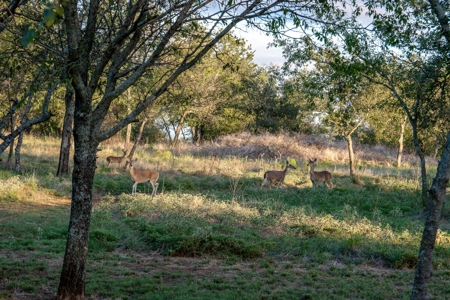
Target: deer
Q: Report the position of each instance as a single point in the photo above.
(116, 159)
(276, 176)
(318, 177)
(143, 176)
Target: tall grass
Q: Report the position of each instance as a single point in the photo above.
(212, 232)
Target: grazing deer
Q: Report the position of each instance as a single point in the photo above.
(143, 176)
(319, 177)
(277, 176)
(116, 159)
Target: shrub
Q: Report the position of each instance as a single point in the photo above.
(102, 240)
(194, 240)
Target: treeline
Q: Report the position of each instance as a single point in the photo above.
(226, 92)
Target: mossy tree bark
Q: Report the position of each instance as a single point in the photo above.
(66, 137)
(437, 194)
(435, 202)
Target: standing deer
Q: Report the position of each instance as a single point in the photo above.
(276, 176)
(116, 159)
(143, 176)
(319, 177)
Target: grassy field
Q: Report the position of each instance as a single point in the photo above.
(213, 233)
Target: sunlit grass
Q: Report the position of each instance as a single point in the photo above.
(214, 233)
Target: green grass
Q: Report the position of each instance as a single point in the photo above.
(213, 233)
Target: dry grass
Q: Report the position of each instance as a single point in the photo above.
(298, 146)
(340, 238)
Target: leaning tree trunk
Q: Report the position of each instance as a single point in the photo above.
(42, 117)
(433, 213)
(64, 152)
(73, 274)
(351, 156)
(400, 143)
(348, 137)
(18, 166)
(136, 142)
(178, 130)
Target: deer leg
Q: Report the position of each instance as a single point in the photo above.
(153, 187)
(134, 188)
(264, 182)
(156, 188)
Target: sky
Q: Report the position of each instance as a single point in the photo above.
(259, 41)
(262, 54)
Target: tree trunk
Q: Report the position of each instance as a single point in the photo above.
(167, 125)
(136, 142)
(18, 167)
(194, 130)
(128, 134)
(423, 171)
(178, 130)
(423, 168)
(73, 275)
(198, 134)
(202, 133)
(400, 143)
(11, 146)
(64, 152)
(351, 157)
(433, 213)
(348, 137)
(44, 116)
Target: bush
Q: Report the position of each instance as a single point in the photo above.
(194, 240)
(102, 240)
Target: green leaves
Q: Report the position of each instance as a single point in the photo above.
(50, 16)
(28, 37)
